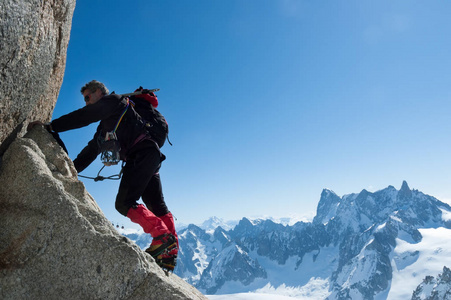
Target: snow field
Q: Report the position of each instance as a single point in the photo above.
(413, 262)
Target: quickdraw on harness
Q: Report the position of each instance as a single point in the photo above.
(110, 147)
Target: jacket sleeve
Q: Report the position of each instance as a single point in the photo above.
(82, 117)
(87, 155)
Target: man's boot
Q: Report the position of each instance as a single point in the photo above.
(163, 241)
(168, 220)
(170, 259)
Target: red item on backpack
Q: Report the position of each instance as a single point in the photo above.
(149, 97)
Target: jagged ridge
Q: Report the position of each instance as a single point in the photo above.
(350, 244)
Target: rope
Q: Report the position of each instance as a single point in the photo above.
(102, 178)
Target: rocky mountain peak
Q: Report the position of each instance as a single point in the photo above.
(405, 192)
(243, 226)
(327, 206)
(434, 288)
(404, 186)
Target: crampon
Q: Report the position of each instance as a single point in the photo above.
(167, 263)
(164, 250)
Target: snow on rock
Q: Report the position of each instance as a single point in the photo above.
(360, 246)
(419, 260)
(434, 288)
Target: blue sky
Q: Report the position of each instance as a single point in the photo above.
(269, 102)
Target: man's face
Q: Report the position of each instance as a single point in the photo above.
(92, 97)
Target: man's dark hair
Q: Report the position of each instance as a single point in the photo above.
(93, 85)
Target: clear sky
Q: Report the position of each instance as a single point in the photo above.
(269, 102)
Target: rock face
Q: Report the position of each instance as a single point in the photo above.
(434, 288)
(55, 241)
(34, 35)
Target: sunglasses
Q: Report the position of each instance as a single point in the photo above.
(87, 97)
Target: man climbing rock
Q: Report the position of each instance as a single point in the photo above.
(122, 131)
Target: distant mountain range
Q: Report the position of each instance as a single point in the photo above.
(379, 245)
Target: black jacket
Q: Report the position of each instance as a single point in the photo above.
(108, 111)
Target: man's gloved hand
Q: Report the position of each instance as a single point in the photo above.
(33, 124)
(47, 126)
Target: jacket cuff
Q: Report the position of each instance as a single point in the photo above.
(48, 126)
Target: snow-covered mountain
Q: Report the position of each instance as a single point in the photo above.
(211, 224)
(434, 288)
(360, 246)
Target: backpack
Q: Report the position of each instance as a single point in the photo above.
(150, 119)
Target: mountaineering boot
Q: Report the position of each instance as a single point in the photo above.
(168, 260)
(161, 245)
(162, 250)
(167, 263)
(163, 241)
(168, 220)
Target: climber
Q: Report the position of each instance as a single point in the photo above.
(142, 157)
